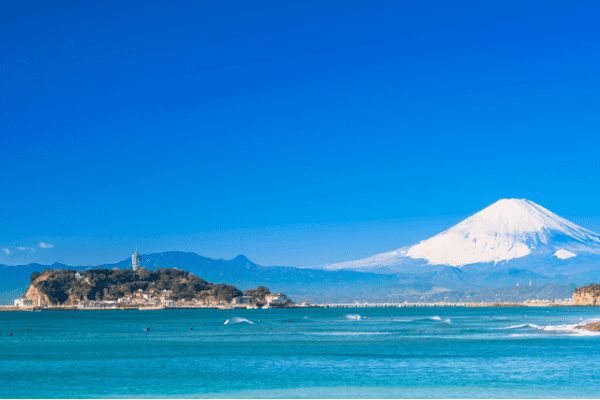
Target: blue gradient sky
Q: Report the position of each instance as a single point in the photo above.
(296, 133)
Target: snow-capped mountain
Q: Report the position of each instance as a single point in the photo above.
(509, 230)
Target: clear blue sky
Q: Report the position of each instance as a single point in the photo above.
(296, 133)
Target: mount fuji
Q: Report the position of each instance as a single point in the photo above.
(511, 233)
(513, 250)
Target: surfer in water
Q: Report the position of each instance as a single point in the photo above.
(191, 328)
(26, 330)
(11, 334)
(147, 329)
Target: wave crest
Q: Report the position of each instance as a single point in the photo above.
(237, 320)
(353, 317)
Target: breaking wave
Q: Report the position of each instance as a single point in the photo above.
(524, 335)
(434, 318)
(353, 317)
(237, 320)
(519, 326)
(570, 329)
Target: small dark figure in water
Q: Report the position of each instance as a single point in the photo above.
(191, 328)
(12, 334)
(203, 323)
(147, 329)
(26, 330)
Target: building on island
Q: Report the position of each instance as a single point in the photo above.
(23, 303)
(273, 299)
(135, 261)
(167, 303)
(96, 304)
(243, 300)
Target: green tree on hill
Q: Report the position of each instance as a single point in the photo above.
(107, 284)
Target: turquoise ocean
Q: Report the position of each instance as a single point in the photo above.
(320, 353)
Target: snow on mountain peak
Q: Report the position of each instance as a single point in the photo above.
(519, 216)
(508, 229)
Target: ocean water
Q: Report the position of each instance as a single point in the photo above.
(325, 353)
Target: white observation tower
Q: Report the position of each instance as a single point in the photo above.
(135, 261)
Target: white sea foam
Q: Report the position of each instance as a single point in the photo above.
(525, 335)
(353, 317)
(570, 329)
(519, 326)
(434, 318)
(237, 320)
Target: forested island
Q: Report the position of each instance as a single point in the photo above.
(117, 288)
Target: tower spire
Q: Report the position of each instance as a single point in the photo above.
(135, 260)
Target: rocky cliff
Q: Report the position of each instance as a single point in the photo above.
(587, 296)
(39, 298)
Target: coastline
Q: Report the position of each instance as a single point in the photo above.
(334, 305)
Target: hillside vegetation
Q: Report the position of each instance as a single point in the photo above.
(65, 286)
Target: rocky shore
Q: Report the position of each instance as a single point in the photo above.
(593, 326)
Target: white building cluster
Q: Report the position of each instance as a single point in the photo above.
(23, 303)
(276, 299)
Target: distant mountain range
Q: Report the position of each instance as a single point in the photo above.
(299, 283)
(330, 286)
(510, 250)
